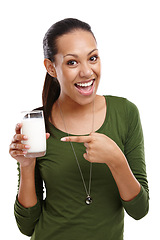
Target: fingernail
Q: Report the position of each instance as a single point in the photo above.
(25, 137)
(27, 146)
(17, 126)
(24, 152)
(63, 139)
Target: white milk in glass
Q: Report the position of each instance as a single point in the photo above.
(34, 128)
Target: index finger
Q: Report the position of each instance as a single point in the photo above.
(79, 139)
(18, 128)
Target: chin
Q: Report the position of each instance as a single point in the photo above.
(84, 100)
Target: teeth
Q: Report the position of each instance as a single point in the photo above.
(85, 84)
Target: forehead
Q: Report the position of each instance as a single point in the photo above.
(76, 42)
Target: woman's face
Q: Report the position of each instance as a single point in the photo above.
(77, 66)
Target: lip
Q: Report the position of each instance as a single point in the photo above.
(88, 93)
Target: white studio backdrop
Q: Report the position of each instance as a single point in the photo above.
(128, 36)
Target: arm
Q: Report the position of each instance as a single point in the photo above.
(128, 168)
(27, 208)
(27, 217)
(127, 184)
(27, 193)
(134, 152)
(111, 155)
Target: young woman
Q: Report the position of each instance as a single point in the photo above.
(94, 167)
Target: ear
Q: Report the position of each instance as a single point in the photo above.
(50, 68)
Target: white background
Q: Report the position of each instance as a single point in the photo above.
(128, 35)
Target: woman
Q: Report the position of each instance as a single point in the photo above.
(94, 167)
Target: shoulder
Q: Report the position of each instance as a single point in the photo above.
(120, 103)
(120, 107)
(115, 101)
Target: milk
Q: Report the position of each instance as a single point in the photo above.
(34, 129)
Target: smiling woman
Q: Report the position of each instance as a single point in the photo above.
(77, 66)
(83, 201)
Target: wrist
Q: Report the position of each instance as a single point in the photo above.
(117, 159)
(29, 166)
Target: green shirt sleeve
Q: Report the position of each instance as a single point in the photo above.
(134, 152)
(138, 207)
(27, 218)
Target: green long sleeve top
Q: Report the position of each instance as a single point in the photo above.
(63, 214)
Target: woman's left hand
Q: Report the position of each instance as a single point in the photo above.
(99, 147)
(102, 149)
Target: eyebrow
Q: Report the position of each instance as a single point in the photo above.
(75, 55)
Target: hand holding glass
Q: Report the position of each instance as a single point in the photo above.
(33, 127)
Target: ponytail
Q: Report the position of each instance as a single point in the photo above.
(51, 92)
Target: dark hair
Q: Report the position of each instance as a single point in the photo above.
(51, 88)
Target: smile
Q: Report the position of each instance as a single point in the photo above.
(85, 88)
(85, 84)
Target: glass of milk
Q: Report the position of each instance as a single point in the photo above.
(33, 127)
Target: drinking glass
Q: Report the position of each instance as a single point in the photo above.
(33, 126)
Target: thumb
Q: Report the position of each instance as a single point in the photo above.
(47, 135)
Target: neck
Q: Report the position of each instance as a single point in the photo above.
(74, 120)
(71, 107)
(79, 119)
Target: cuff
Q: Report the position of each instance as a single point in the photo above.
(26, 218)
(26, 211)
(139, 206)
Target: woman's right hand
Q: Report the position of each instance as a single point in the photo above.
(17, 149)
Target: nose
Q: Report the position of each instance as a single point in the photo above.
(85, 71)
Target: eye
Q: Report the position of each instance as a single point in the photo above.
(71, 62)
(93, 58)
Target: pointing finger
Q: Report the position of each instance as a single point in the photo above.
(79, 139)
